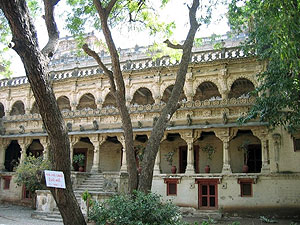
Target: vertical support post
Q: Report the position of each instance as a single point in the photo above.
(97, 141)
(261, 133)
(156, 169)
(188, 137)
(123, 168)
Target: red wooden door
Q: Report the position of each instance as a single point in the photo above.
(208, 193)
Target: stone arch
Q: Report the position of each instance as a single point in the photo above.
(198, 82)
(207, 139)
(34, 109)
(18, 108)
(241, 87)
(206, 90)
(110, 155)
(84, 146)
(142, 96)
(63, 103)
(12, 155)
(35, 148)
(167, 93)
(231, 80)
(87, 101)
(109, 101)
(2, 111)
(246, 138)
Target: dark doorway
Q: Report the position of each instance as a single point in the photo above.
(183, 159)
(254, 158)
(12, 156)
(78, 151)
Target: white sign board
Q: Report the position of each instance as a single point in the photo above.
(55, 179)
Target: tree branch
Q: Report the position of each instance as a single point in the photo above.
(53, 32)
(108, 72)
(171, 45)
(110, 6)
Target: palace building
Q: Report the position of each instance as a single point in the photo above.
(220, 164)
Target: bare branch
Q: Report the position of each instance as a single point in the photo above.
(108, 72)
(171, 45)
(110, 6)
(53, 32)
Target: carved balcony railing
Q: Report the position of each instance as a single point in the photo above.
(139, 64)
(133, 109)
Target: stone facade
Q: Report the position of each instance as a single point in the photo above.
(215, 95)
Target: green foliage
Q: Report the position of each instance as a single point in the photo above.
(136, 209)
(79, 159)
(169, 157)
(29, 173)
(273, 27)
(267, 220)
(87, 197)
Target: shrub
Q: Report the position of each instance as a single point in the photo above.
(135, 209)
(29, 173)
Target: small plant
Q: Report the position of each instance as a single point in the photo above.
(235, 223)
(139, 151)
(208, 222)
(79, 159)
(169, 157)
(87, 197)
(244, 148)
(210, 150)
(267, 220)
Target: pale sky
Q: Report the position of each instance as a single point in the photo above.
(175, 11)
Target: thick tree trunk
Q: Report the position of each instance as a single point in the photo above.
(145, 179)
(118, 90)
(35, 63)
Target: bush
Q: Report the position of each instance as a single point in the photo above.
(136, 209)
(29, 173)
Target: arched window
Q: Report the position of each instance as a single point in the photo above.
(167, 94)
(87, 101)
(2, 113)
(142, 96)
(17, 108)
(34, 109)
(206, 91)
(109, 101)
(241, 88)
(63, 103)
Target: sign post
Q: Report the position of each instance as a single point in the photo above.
(55, 179)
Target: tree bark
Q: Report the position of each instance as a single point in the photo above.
(145, 179)
(35, 63)
(119, 94)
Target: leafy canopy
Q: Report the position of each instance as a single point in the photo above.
(273, 27)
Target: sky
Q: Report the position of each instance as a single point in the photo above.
(175, 11)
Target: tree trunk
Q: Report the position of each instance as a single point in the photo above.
(35, 63)
(145, 179)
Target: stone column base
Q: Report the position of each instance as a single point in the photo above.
(226, 169)
(190, 169)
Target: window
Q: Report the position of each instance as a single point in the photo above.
(172, 186)
(296, 144)
(6, 182)
(246, 187)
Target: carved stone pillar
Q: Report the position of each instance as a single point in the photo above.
(225, 136)
(24, 143)
(261, 133)
(123, 168)
(222, 78)
(188, 137)
(3, 146)
(45, 144)
(277, 145)
(73, 141)
(97, 142)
